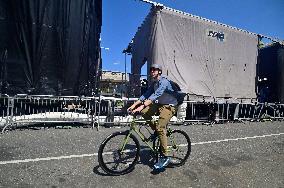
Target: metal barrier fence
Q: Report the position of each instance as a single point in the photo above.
(229, 112)
(27, 110)
(24, 110)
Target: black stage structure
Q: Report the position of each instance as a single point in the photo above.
(50, 47)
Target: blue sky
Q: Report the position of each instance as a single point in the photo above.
(121, 18)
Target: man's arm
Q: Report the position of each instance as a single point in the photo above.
(149, 91)
(161, 89)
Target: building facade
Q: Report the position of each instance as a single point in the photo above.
(114, 83)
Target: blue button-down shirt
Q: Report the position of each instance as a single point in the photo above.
(160, 91)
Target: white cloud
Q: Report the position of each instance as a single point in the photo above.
(106, 48)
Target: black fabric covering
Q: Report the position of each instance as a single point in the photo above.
(271, 67)
(50, 46)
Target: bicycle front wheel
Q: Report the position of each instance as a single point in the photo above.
(119, 153)
(179, 147)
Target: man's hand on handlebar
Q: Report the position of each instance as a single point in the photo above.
(135, 111)
(139, 109)
(133, 108)
(130, 109)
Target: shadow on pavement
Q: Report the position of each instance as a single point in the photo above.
(96, 171)
(146, 158)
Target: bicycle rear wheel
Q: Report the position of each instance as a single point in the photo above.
(114, 159)
(179, 147)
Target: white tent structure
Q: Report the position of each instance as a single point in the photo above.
(206, 58)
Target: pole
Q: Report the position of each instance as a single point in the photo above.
(125, 72)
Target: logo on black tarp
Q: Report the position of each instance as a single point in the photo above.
(219, 35)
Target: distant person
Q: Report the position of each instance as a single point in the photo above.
(264, 91)
(264, 94)
(159, 99)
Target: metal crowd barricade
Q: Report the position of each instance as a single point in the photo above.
(259, 111)
(5, 109)
(25, 110)
(224, 111)
(115, 111)
(279, 112)
(246, 111)
(197, 112)
(271, 111)
(208, 112)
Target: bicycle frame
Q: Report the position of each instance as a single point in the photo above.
(134, 128)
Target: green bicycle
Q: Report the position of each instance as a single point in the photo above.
(119, 152)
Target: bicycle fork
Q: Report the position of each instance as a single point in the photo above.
(125, 141)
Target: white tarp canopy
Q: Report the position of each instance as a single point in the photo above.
(206, 58)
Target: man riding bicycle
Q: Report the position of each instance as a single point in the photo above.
(158, 99)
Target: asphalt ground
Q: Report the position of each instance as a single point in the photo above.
(224, 155)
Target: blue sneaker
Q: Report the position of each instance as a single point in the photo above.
(162, 163)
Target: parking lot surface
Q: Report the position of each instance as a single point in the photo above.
(223, 155)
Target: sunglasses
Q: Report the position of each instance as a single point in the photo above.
(153, 69)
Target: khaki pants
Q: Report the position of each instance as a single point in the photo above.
(165, 113)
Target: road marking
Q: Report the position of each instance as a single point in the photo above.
(236, 139)
(95, 154)
(47, 158)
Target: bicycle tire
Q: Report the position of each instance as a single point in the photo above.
(110, 150)
(179, 147)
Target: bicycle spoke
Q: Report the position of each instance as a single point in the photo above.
(179, 147)
(115, 161)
